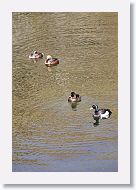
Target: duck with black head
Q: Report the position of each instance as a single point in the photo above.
(74, 97)
(100, 113)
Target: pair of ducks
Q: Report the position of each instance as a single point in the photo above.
(50, 61)
(97, 114)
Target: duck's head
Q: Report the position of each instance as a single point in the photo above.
(49, 57)
(35, 52)
(73, 94)
(94, 106)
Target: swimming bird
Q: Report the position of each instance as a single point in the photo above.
(100, 113)
(51, 61)
(36, 55)
(74, 97)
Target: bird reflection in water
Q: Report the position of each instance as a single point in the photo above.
(73, 106)
(34, 60)
(49, 69)
(96, 123)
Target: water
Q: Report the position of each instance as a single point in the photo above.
(48, 135)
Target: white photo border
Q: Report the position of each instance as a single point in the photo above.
(123, 174)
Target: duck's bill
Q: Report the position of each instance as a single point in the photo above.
(91, 108)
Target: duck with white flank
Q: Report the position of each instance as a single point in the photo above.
(74, 97)
(100, 113)
(36, 55)
(51, 61)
